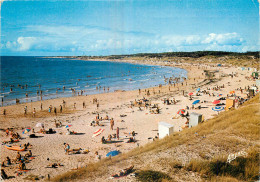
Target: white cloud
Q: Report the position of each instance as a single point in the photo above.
(78, 39)
(223, 39)
(26, 43)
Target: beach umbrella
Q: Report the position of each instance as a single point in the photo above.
(191, 93)
(198, 89)
(219, 95)
(97, 132)
(216, 102)
(67, 126)
(217, 108)
(112, 153)
(232, 92)
(39, 125)
(196, 102)
(26, 130)
(181, 111)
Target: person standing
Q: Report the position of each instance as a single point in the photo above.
(60, 108)
(55, 111)
(112, 122)
(41, 106)
(34, 112)
(25, 110)
(117, 133)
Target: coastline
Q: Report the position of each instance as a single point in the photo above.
(93, 91)
(114, 105)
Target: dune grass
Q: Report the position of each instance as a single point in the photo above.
(230, 131)
(242, 168)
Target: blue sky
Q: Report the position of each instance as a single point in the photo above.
(105, 27)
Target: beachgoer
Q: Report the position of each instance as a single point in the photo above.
(66, 147)
(4, 112)
(98, 157)
(22, 166)
(3, 174)
(117, 133)
(112, 122)
(8, 161)
(68, 132)
(75, 105)
(34, 112)
(60, 108)
(29, 154)
(55, 111)
(41, 106)
(25, 110)
(109, 137)
(18, 156)
(103, 140)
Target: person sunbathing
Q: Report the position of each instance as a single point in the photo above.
(18, 157)
(3, 174)
(109, 138)
(22, 166)
(8, 161)
(43, 131)
(103, 140)
(131, 139)
(29, 154)
(106, 118)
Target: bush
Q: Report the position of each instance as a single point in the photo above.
(152, 176)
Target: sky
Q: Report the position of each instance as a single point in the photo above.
(109, 27)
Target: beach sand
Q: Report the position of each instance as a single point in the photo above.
(113, 104)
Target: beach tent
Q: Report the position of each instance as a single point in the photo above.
(112, 153)
(165, 129)
(195, 119)
(230, 103)
(219, 65)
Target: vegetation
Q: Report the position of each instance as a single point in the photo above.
(242, 168)
(151, 176)
(229, 132)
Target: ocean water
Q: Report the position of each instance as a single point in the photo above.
(27, 75)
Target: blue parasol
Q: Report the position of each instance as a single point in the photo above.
(218, 108)
(112, 153)
(198, 89)
(195, 102)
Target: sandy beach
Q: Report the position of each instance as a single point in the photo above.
(116, 105)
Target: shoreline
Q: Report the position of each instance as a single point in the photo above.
(51, 96)
(115, 105)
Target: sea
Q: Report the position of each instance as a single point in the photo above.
(37, 78)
